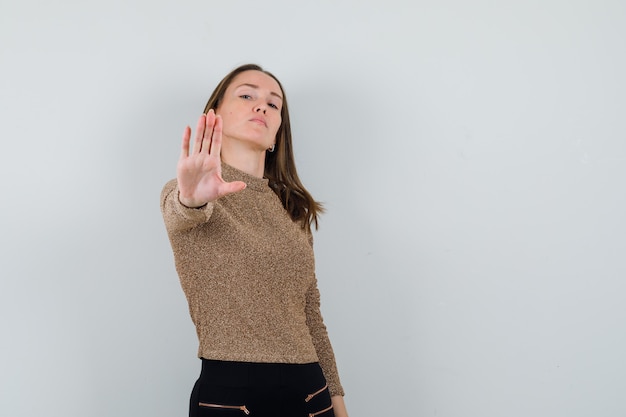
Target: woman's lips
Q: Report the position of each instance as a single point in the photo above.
(259, 121)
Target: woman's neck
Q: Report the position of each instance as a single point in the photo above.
(244, 159)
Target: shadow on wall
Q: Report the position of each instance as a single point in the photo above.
(367, 264)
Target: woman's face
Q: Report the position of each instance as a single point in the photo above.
(251, 109)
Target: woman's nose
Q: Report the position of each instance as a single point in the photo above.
(260, 108)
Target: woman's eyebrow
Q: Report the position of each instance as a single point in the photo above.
(256, 86)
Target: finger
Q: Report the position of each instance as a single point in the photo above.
(208, 131)
(197, 142)
(216, 141)
(231, 187)
(184, 151)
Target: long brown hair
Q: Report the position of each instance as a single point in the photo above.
(280, 167)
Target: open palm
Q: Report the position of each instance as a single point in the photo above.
(199, 172)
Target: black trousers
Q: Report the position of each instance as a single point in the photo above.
(260, 390)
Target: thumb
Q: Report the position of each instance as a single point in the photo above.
(231, 188)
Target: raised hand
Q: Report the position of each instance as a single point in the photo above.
(199, 172)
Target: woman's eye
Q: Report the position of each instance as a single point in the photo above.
(272, 105)
(245, 96)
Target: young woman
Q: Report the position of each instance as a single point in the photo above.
(239, 222)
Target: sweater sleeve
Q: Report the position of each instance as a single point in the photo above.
(177, 216)
(321, 341)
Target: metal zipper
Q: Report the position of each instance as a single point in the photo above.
(230, 407)
(310, 396)
(320, 412)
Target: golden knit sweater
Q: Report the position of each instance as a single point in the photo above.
(248, 273)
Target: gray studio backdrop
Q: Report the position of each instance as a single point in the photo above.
(471, 156)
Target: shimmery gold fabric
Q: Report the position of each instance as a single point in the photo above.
(248, 273)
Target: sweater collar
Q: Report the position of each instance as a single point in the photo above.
(230, 173)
